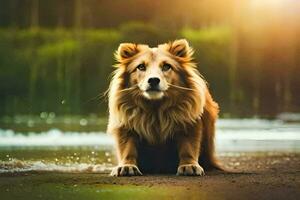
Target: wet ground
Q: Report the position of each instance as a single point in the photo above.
(252, 176)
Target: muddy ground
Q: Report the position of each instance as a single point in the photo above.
(254, 176)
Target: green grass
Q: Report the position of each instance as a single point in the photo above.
(66, 186)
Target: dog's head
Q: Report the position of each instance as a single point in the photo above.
(153, 71)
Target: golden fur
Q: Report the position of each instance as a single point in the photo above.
(181, 122)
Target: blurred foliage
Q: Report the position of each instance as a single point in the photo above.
(60, 71)
(215, 34)
(139, 32)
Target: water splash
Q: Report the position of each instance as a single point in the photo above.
(15, 165)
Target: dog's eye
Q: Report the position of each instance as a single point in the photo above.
(141, 67)
(166, 67)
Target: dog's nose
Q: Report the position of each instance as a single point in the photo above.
(153, 82)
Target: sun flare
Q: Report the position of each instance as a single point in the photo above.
(271, 4)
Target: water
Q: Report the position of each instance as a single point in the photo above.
(56, 159)
(257, 135)
(92, 152)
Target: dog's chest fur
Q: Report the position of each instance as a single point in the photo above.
(155, 124)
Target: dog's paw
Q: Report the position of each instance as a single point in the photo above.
(190, 170)
(126, 170)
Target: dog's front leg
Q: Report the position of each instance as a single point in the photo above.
(189, 149)
(127, 154)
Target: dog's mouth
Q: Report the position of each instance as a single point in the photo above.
(153, 90)
(153, 93)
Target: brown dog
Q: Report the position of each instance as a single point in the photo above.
(161, 113)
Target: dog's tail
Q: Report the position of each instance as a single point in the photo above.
(207, 157)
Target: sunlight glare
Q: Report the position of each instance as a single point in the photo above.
(271, 4)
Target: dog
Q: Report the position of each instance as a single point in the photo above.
(161, 113)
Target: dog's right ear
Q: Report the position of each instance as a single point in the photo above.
(125, 51)
(180, 48)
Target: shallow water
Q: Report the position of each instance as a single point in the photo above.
(91, 152)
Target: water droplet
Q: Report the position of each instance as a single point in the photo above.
(51, 115)
(83, 122)
(43, 115)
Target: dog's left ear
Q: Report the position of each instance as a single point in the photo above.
(180, 48)
(126, 50)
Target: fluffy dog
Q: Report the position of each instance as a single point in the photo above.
(161, 113)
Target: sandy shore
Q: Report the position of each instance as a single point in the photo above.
(253, 176)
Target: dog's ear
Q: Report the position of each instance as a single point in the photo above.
(180, 48)
(125, 51)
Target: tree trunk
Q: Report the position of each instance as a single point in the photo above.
(34, 20)
(77, 14)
